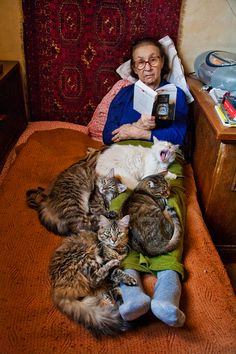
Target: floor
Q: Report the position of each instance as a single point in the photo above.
(231, 270)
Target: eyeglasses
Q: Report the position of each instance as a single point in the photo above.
(153, 61)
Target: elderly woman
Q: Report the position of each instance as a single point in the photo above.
(149, 64)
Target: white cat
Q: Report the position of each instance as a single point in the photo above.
(132, 163)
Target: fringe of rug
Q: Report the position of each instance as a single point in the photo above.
(180, 29)
(23, 61)
(181, 32)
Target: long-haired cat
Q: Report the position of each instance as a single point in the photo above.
(155, 226)
(132, 163)
(84, 269)
(75, 198)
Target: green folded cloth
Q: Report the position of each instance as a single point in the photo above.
(171, 260)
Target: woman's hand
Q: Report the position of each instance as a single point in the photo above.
(146, 122)
(130, 131)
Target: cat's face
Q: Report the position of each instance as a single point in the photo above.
(156, 185)
(113, 232)
(109, 187)
(164, 151)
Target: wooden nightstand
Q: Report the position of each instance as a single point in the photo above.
(13, 119)
(214, 165)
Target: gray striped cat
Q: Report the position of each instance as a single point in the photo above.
(76, 197)
(155, 226)
(85, 274)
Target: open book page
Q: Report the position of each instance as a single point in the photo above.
(144, 98)
(160, 103)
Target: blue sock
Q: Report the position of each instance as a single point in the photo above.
(135, 302)
(165, 302)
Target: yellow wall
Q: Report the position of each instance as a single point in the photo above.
(205, 25)
(11, 19)
(11, 30)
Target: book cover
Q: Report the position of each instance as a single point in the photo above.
(227, 115)
(222, 114)
(230, 105)
(160, 103)
(165, 102)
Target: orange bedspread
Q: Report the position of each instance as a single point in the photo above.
(30, 324)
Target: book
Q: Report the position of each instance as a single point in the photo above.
(224, 117)
(217, 94)
(229, 103)
(227, 115)
(159, 103)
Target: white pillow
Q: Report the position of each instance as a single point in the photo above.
(176, 74)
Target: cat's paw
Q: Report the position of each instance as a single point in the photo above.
(107, 299)
(129, 280)
(111, 214)
(170, 175)
(113, 263)
(117, 295)
(121, 257)
(93, 223)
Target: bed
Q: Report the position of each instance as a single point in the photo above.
(29, 321)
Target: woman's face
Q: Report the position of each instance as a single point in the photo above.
(147, 55)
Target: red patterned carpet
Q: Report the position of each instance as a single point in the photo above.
(73, 48)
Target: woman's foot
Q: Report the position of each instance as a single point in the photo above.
(135, 302)
(166, 297)
(168, 313)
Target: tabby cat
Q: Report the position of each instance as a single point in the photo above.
(134, 162)
(76, 197)
(84, 269)
(155, 226)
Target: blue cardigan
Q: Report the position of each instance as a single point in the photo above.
(121, 112)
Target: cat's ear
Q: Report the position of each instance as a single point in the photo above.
(155, 140)
(124, 221)
(167, 175)
(111, 173)
(162, 173)
(103, 222)
(151, 184)
(121, 187)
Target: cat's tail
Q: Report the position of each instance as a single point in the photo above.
(38, 199)
(34, 197)
(101, 320)
(171, 214)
